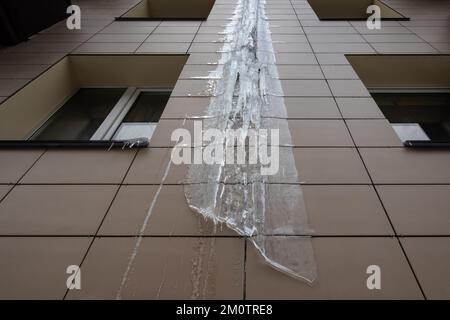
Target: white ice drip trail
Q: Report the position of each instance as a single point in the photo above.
(248, 95)
(140, 236)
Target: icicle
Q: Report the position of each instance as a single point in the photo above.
(248, 95)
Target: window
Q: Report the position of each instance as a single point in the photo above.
(143, 116)
(106, 114)
(169, 10)
(89, 101)
(417, 116)
(413, 92)
(80, 117)
(351, 10)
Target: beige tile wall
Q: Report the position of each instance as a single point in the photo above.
(369, 200)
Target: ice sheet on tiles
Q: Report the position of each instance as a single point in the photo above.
(248, 95)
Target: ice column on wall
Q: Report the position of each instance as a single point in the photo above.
(268, 209)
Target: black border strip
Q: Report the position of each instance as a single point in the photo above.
(84, 144)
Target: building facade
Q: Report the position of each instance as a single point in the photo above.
(121, 215)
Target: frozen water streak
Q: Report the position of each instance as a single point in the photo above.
(248, 95)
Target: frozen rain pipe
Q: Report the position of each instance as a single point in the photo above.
(269, 210)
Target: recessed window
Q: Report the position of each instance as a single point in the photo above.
(413, 92)
(169, 10)
(106, 114)
(81, 116)
(417, 116)
(91, 101)
(352, 10)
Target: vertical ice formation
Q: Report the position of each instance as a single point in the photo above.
(248, 95)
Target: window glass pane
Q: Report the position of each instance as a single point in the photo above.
(410, 131)
(134, 130)
(80, 117)
(148, 107)
(431, 111)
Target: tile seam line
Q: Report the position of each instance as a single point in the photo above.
(424, 41)
(366, 41)
(195, 36)
(146, 38)
(103, 219)
(17, 183)
(367, 171)
(92, 35)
